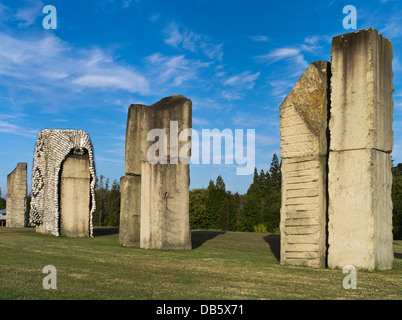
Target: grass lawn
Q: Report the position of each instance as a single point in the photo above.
(221, 266)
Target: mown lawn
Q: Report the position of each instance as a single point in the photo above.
(221, 266)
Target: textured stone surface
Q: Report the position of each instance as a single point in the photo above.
(130, 217)
(75, 196)
(52, 148)
(303, 114)
(17, 197)
(359, 179)
(303, 125)
(360, 209)
(144, 218)
(361, 92)
(165, 222)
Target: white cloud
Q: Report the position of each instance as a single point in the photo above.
(393, 27)
(259, 38)
(34, 63)
(10, 128)
(288, 53)
(174, 69)
(28, 15)
(280, 88)
(181, 37)
(200, 122)
(243, 80)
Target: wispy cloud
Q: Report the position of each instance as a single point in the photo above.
(181, 37)
(50, 67)
(393, 27)
(288, 53)
(28, 15)
(259, 38)
(174, 69)
(6, 126)
(245, 79)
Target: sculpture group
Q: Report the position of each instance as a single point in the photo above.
(336, 140)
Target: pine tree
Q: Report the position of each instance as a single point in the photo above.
(198, 208)
(397, 201)
(113, 199)
(275, 171)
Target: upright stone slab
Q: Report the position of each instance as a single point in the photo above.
(303, 126)
(17, 197)
(155, 190)
(75, 196)
(359, 178)
(54, 149)
(130, 210)
(165, 221)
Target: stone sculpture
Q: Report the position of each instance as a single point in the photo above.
(16, 206)
(304, 149)
(155, 196)
(336, 204)
(52, 152)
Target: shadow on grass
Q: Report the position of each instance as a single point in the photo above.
(105, 231)
(397, 255)
(198, 237)
(274, 241)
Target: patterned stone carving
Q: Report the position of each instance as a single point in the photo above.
(53, 146)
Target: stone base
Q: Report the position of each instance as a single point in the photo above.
(303, 211)
(360, 209)
(165, 222)
(130, 211)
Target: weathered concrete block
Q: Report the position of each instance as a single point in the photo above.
(52, 148)
(75, 196)
(361, 92)
(165, 221)
(17, 197)
(360, 209)
(130, 217)
(303, 211)
(303, 126)
(145, 218)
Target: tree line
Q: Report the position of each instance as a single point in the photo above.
(257, 210)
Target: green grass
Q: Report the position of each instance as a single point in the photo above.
(221, 266)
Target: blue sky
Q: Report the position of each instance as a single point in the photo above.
(236, 60)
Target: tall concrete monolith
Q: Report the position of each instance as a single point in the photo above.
(361, 140)
(16, 206)
(155, 189)
(304, 150)
(63, 177)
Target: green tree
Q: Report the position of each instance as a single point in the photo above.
(101, 191)
(272, 196)
(250, 215)
(216, 199)
(397, 201)
(198, 208)
(113, 205)
(2, 202)
(275, 172)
